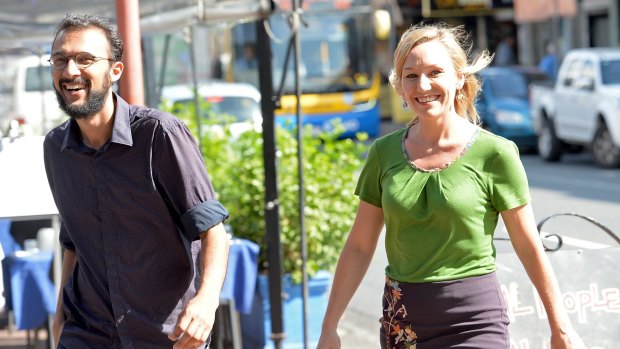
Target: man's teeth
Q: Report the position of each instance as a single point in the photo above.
(74, 87)
(427, 99)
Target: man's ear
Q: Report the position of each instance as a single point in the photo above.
(116, 71)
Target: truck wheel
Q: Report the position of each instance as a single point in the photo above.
(549, 146)
(606, 153)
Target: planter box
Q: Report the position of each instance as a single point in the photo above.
(256, 326)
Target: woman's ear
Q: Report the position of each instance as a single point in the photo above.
(116, 71)
(460, 80)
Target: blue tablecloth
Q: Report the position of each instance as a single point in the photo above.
(29, 292)
(241, 275)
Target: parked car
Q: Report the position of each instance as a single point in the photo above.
(582, 109)
(239, 101)
(503, 103)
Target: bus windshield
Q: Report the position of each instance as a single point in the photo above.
(336, 53)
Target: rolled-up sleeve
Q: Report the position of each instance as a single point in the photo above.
(181, 177)
(202, 218)
(65, 239)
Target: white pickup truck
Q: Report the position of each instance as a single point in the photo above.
(582, 110)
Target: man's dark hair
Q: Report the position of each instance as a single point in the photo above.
(82, 21)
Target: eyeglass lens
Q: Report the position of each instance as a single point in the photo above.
(82, 59)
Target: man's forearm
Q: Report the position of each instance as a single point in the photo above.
(213, 262)
(68, 265)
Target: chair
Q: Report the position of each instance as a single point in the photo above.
(8, 246)
(7, 242)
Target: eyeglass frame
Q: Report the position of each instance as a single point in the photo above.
(74, 58)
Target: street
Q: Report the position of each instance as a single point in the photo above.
(572, 185)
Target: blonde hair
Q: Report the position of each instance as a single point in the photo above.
(455, 41)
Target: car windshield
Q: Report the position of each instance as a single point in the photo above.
(513, 84)
(507, 85)
(241, 108)
(610, 72)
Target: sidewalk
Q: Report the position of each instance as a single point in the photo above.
(359, 329)
(18, 340)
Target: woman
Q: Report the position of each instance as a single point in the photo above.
(439, 186)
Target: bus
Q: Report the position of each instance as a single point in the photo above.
(339, 75)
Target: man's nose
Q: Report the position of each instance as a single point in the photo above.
(72, 67)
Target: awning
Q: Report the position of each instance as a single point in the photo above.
(25, 25)
(542, 10)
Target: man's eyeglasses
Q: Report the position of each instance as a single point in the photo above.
(83, 60)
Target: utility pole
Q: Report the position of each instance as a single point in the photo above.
(272, 215)
(128, 21)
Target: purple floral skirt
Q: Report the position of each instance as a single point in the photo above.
(465, 313)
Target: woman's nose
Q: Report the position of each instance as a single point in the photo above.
(424, 83)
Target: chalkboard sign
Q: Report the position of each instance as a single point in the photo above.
(590, 285)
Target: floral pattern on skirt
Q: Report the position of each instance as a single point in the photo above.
(399, 333)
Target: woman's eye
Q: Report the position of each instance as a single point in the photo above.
(435, 72)
(411, 76)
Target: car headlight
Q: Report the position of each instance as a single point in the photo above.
(508, 117)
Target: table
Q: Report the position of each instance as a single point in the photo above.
(237, 293)
(25, 191)
(241, 274)
(26, 194)
(30, 293)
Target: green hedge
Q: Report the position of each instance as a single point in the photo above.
(331, 167)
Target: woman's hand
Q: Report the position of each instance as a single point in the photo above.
(329, 340)
(566, 340)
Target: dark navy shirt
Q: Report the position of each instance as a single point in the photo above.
(132, 211)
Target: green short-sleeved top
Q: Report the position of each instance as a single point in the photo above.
(440, 224)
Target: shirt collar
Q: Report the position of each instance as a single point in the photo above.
(121, 130)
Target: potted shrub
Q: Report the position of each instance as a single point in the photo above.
(331, 167)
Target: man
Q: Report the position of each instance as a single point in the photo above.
(504, 52)
(248, 60)
(246, 66)
(549, 62)
(145, 249)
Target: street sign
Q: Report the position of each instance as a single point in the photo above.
(590, 285)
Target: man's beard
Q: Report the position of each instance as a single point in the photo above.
(95, 100)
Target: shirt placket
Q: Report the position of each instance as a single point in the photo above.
(109, 248)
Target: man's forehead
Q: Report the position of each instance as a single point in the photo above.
(92, 37)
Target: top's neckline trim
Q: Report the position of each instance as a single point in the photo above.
(412, 163)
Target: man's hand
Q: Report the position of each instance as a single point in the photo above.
(57, 325)
(194, 324)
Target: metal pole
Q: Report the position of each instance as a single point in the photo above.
(152, 95)
(41, 78)
(272, 220)
(164, 66)
(300, 169)
(189, 38)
